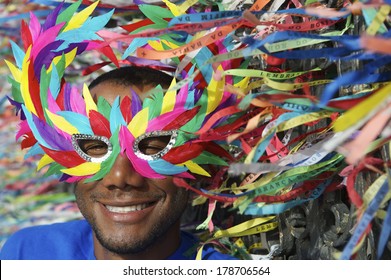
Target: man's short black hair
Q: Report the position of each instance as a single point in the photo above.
(134, 75)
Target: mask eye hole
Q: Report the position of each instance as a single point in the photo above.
(92, 148)
(153, 145)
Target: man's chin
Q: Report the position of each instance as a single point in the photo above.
(124, 246)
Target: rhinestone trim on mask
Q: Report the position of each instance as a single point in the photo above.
(171, 143)
(82, 154)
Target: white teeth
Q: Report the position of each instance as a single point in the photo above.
(126, 209)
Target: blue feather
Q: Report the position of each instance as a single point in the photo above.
(136, 43)
(51, 136)
(54, 85)
(33, 128)
(82, 123)
(165, 168)
(116, 118)
(18, 54)
(33, 151)
(86, 32)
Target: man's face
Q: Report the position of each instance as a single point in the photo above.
(128, 212)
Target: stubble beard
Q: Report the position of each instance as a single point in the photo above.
(130, 245)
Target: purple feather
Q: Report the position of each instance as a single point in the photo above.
(67, 97)
(51, 136)
(81, 47)
(18, 107)
(52, 17)
(197, 95)
(136, 103)
(47, 37)
(65, 177)
(45, 57)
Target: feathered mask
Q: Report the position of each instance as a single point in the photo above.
(60, 125)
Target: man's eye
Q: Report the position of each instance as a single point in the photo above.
(153, 145)
(93, 148)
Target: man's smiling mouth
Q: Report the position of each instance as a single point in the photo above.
(128, 209)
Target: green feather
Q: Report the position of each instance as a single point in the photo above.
(196, 122)
(154, 103)
(182, 138)
(104, 107)
(15, 89)
(209, 158)
(43, 88)
(108, 163)
(60, 66)
(54, 168)
(66, 15)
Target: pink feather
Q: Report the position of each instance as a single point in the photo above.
(34, 26)
(46, 37)
(77, 102)
(161, 121)
(141, 166)
(182, 97)
(24, 128)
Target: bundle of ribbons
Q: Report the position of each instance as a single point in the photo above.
(290, 99)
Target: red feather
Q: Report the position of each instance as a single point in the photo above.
(99, 124)
(182, 119)
(217, 150)
(108, 51)
(95, 67)
(35, 92)
(68, 159)
(28, 140)
(60, 97)
(184, 153)
(26, 35)
(126, 109)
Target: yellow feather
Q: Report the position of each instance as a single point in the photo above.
(69, 57)
(215, 92)
(90, 104)
(173, 8)
(61, 123)
(24, 83)
(16, 73)
(78, 19)
(45, 160)
(169, 99)
(138, 124)
(195, 168)
(83, 169)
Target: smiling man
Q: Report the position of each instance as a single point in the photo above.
(131, 206)
(132, 217)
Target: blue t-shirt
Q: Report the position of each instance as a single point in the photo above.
(73, 241)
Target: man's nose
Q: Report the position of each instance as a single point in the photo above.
(122, 174)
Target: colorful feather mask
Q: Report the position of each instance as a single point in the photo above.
(79, 138)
